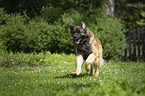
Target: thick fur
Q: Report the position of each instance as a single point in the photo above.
(88, 48)
(94, 60)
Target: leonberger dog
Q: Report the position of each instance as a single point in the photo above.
(88, 47)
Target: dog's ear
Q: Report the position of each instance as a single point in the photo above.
(71, 25)
(83, 25)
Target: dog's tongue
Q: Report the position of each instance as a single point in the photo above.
(77, 42)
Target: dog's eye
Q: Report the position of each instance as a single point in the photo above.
(76, 31)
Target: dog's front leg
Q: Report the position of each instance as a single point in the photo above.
(89, 63)
(79, 62)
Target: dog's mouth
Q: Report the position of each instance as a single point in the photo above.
(78, 41)
(78, 38)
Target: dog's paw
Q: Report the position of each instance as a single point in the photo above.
(96, 74)
(75, 73)
(87, 67)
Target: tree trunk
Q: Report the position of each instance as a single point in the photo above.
(109, 6)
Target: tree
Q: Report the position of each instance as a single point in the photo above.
(109, 6)
(129, 11)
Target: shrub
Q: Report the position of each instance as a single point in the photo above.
(10, 59)
(3, 47)
(71, 16)
(13, 32)
(3, 19)
(108, 30)
(34, 59)
(3, 16)
(50, 14)
(142, 21)
(20, 33)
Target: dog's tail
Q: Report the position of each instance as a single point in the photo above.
(102, 61)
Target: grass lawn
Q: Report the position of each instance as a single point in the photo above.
(115, 79)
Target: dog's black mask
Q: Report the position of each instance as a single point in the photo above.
(81, 38)
(79, 33)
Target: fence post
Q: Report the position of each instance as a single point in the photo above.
(138, 40)
(143, 42)
(134, 45)
(129, 41)
(124, 58)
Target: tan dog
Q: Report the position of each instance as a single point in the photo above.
(88, 47)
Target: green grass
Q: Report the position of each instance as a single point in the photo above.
(55, 79)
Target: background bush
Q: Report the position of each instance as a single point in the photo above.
(51, 14)
(3, 19)
(21, 33)
(110, 31)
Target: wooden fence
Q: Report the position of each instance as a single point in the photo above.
(136, 42)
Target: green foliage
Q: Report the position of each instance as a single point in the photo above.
(3, 16)
(116, 78)
(50, 14)
(72, 16)
(3, 47)
(36, 6)
(59, 39)
(109, 31)
(13, 31)
(42, 59)
(21, 59)
(20, 33)
(142, 21)
(3, 19)
(129, 11)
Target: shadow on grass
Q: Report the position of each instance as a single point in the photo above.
(72, 76)
(76, 85)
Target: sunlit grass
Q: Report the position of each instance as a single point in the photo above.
(116, 78)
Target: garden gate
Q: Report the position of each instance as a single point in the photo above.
(136, 42)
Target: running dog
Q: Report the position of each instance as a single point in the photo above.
(88, 47)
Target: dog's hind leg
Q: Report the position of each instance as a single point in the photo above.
(92, 70)
(97, 66)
